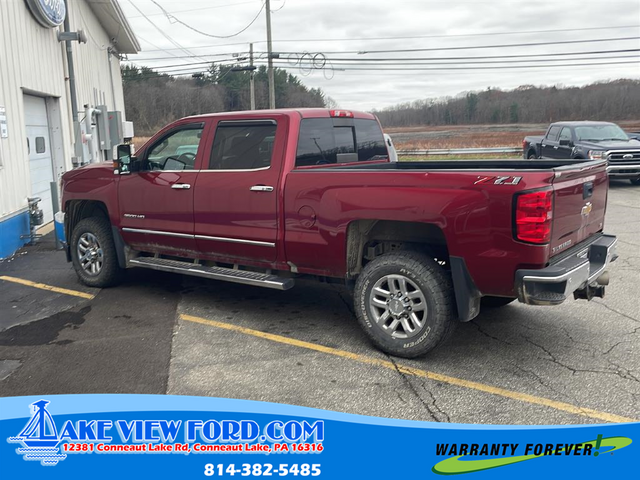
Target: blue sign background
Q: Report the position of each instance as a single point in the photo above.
(49, 13)
(354, 446)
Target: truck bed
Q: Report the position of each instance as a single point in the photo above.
(477, 165)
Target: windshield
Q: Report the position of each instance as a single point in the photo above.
(600, 133)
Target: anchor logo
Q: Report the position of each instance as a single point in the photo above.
(39, 438)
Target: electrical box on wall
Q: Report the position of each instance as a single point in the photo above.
(102, 122)
(127, 128)
(115, 128)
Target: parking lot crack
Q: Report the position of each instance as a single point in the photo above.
(620, 371)
(486, 334)
(413, 389)
(617, 311)
(345, 301)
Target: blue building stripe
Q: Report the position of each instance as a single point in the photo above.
(11, 229)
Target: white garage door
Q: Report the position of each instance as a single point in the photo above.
(40, 159)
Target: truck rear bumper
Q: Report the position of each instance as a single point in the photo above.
(583, 274)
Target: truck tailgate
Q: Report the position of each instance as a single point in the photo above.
(580, 202)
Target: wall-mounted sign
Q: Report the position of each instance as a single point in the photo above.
(48, 13)
(4, 133)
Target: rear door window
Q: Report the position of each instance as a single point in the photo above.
(243, 146)
(324, 141)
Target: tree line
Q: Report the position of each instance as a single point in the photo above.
(154, 99)
(612, 101)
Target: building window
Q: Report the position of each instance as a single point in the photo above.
(40, 147)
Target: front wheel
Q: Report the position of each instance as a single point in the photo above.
(404, 302)
(635, 181)
(93, 253)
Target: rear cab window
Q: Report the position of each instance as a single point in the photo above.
(326, 141)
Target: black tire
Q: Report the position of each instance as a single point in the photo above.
(110, 272)
(532, 155)
(495, 302)
(438, 320)
(635, 181)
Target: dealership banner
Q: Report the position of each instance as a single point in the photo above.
(149, 436)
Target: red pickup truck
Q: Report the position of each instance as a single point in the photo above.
(265, 197)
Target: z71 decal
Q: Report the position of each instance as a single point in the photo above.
(498, 180)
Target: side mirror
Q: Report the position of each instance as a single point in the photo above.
(565, 142)
(123, 158)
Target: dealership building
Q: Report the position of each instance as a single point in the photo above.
(61, 99)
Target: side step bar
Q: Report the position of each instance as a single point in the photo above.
(216, 273)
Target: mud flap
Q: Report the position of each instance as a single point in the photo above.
(467, 294)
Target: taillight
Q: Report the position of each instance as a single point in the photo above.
(524, 145)
(534, 215)
(341, 113)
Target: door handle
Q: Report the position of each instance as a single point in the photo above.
(181, 186)
(261, 188)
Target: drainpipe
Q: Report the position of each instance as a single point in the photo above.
(72, 93)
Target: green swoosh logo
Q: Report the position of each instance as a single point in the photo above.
(455, 466)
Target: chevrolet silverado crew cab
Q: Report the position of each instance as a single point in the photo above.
(589, 140)
(266, 197)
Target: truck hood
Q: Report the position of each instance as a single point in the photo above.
(619, 145)
(99, 167)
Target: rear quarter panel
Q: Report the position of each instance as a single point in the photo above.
(475, 216)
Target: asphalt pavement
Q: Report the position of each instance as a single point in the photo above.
(165, 333)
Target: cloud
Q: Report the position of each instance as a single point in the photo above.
(312, 26)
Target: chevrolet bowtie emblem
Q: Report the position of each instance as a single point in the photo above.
(586, 210)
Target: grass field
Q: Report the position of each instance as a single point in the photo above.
(472, 136)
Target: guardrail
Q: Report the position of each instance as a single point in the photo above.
(461, 151)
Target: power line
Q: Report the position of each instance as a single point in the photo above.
(196, 9)
(528, 55)
(165, 35)
(423, 61)
(477, 47)
(499, 67)
(519, 32)
(170, 17)
(471, 62)
(437, 49)
(410, 37)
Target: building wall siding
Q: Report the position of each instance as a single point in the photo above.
(32, 61)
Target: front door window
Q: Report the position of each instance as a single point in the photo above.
(176, 151)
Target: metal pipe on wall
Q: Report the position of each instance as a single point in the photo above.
(72, 89)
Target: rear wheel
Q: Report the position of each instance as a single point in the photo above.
(532, 155)
(495, 302)
(93, 253)
(404, 302)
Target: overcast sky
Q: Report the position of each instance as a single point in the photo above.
(331, 28)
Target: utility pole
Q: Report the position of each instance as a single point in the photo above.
(272, 87)
(252, 83)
